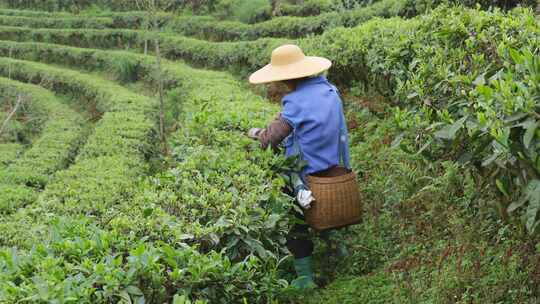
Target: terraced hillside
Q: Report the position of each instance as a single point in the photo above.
(25, 174)
(442, 106)
(209, 28)
(101, 191)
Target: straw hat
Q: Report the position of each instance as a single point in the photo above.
(289, 62)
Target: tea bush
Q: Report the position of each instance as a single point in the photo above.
(459, 84)
(449, 74)
(9, 152)
(31, 13)
(308, 8)
(203, 211)
(80, 5)
(430, 232)
(115, 154)
(59, 139)
(206, 27)
(240, 55)
(194, 205)
(26, 122)
(63, 22)
(283, 27)
(86, 264)
(382, 62)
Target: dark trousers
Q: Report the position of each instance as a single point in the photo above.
(299, 240)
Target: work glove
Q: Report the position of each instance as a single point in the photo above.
(305, 198)
(254, 133)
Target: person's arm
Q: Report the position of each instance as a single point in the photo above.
(273, 134)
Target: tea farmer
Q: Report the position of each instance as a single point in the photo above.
(312, 126)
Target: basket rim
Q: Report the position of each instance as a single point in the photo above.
(332, 180)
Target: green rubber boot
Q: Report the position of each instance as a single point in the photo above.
(305, 274)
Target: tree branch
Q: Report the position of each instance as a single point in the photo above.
(11, 114)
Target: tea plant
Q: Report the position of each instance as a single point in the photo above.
(451, 132)
(60, 136)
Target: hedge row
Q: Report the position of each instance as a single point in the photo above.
(122, 65)
(310, 7)
(284, 27)
(341, 45)
(114, 156)
(31, 13)
(58, 22)
(208, 28)
(79, 5)
(450, 67)
(468, 81)
(221, 195)
(9, 152)
(243, 55)
(60, 138)
(191, 80)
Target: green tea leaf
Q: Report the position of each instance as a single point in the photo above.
(530, 128)
(501, 187)
(516, 56)
(532, 194)
(449, 132)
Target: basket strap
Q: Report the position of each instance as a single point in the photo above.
(343, 145)
(298, 181)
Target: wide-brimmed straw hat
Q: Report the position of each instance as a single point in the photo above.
(289, 62)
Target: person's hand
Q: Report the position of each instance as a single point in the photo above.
(254, 133)
(305, 198)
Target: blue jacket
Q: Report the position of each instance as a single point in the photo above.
(315, 112)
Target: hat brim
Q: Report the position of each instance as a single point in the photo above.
(308, 66)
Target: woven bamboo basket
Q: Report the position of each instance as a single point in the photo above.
(337, 202)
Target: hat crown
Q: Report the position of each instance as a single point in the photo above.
(287, 54)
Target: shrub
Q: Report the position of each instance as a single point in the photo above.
(15, 196)
(9, 152)
(233, 206)
(284, 27)
(217, 55)
(445, 70)
(80, 5)
(437, 70)
(308, 8)
(205, 27)
(246, 11)
(226, 216)
(53, 150)
(54, 147)
(81, 261)
(57, 22)
(31, 13)
(127, 115)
